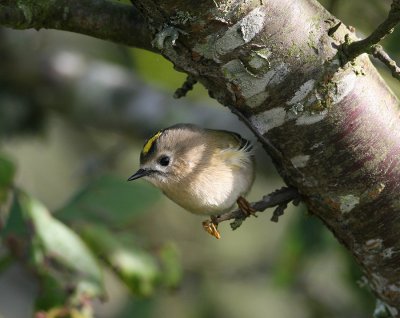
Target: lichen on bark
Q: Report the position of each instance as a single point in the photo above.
(336, 125)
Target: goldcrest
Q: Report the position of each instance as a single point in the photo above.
(204, 171)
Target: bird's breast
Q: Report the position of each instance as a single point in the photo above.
(215, 189)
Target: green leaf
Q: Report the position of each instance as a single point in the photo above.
(304, 238)
(7, 172)
(171, 265)
(51, 301)
(15, 225)
(5, 262)
(139, 307)
(59, 252)
(111, 201)
(51, 294)
(136, 268)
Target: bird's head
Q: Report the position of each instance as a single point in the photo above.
(171, 155)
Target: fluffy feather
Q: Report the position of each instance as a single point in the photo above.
(208, 169)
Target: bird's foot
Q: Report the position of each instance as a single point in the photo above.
(211, 227)
(245, 206)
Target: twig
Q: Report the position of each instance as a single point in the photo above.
(186, 87)
(353, 49)
(278, 212)
(380, 54)
(279, 198)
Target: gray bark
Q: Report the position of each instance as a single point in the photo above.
(333, 131)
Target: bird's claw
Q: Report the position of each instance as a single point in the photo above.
(245, 207)
(211, 227)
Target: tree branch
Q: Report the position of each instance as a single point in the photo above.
(354, 49)
(380, 54)
(102, 19)
(186, 87)
(279, 198)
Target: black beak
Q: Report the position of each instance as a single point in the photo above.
(138, 174)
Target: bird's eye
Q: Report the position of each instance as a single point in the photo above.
(164, 161)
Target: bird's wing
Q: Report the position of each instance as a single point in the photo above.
(232, 148)
(223, 139)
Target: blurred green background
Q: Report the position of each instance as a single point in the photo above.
(74, 113)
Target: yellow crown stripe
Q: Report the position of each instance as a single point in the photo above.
(150, 142)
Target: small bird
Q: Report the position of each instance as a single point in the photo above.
(205, 171)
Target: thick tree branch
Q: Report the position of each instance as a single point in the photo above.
(102, 19)
(354, 49)
(338, 146)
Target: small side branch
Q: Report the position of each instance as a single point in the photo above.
(380, 54)
(279, 199)
(354, 49)
(186, 87)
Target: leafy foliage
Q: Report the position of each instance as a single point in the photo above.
(140, 271)
(7, 171)
(68, 264)
(109, 200)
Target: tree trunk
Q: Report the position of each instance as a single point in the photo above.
(332, 130)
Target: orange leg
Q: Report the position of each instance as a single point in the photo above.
(211, 227)
(245, 206)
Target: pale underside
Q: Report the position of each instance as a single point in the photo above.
(214, 191)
